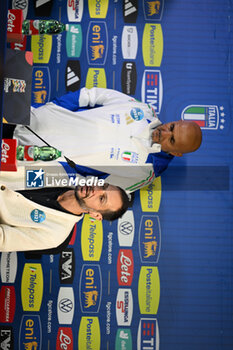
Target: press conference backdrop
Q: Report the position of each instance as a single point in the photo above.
(161, 277)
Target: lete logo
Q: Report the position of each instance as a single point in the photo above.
(125, 267)
(64, 338)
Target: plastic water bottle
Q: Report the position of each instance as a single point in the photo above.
(31, 153)
(42, 26)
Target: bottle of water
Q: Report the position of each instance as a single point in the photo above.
(31, 153)
(42, 26)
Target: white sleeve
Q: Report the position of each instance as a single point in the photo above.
(100, 96)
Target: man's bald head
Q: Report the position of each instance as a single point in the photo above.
(178, 137)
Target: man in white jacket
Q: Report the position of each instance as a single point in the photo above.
(43, 218)
(120, 137)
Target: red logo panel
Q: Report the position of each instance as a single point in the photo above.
(125, 267)
(7, 304)
(64, 338)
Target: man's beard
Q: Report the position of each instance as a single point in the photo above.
(81, 201)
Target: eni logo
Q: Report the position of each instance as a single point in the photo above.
(153, 7)
(97, 43)
(90, 288)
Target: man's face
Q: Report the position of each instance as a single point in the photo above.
(99, 198)
(177, 137)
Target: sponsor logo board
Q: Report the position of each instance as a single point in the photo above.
(65, 305)
(6, 338)
(150, 196)
(129, 42)
(97, 43)
(91, 239)
(67, 266)
(149, 239)
(153, 9)
(126, 229)
(21, 46)
(98, 8)
(74, 41)
(130, 11)
(90, 288)
(89, 333)
(73, 76)
(152, 89)
(30, 333)
(7, 304)
(75, 10)
(124, 307)
(43, 8)
(129, 78)
(123, 339)
(96, 77)
(41, 46)
(152, 45)
(9, 265)
(125, 267)
(148, 290)
(148, 334)
(41, 86)
(32, 287)
(21, 5)
(64, 338)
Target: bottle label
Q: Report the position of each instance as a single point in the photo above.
(34, 27)
(29, 153)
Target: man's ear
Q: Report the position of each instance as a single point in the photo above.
(176, 154)
(96, 215)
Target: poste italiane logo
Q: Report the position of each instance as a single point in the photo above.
(149, 239)
(91, 238)
(150, 196)
(41, 86)
(32, 287)
(89, 333)
(98, 8)
(152, 89)
(41, 46)
(90, 288)
(152, 45)
(96, 77)
(148, 290)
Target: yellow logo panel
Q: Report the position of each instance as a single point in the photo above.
(96, 77)
(152, 45)
(149, 290)
(91, 239)
(32, 287)
(89, 334)
(98, 8)
(150, 196)
(41, 46)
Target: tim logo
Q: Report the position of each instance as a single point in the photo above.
(148, 334)
(90, 289)
(41, 83)
(35, 178)
(153, 9)
(97, 42)
(149, 238)
(206, 116)
(152, 89)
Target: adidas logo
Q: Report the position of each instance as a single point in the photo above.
(129, 8)
(43, 7)
(73, 75)
(41, 2)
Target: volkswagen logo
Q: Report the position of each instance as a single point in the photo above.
(126, 228)
(65, 305)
